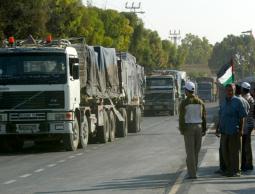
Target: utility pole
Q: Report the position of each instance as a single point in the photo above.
(90, 3)
(251, 66)
(249, 32)
(134, 9)
(175, 36)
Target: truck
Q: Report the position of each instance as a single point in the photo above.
(161, 95)
(206, 88)
(68, 92)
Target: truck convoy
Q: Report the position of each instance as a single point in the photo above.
(67, 91)
(163, 92)
(160, 95)
(207, 88)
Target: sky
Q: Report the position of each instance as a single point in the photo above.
(214, 19)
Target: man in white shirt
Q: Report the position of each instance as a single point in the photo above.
(192, 124)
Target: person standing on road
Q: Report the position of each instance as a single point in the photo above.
(192, 124)
(238, 92)
(247, 161)
(232, 113)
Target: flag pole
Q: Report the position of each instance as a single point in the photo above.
(233, 70)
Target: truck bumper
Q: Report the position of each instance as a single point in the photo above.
(158, 107)
(35, 128)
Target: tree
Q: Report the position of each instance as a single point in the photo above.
(240, 48)
(21, 18)
(93, 28)
(116, 28)
(65, 18)
(198, 50)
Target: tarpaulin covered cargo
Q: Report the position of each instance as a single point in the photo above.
(98, 71)
(107, 63)
(131, 76)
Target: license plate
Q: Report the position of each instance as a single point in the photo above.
(158, 107)
(27, 128)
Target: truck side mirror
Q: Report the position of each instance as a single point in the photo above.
(76, 71)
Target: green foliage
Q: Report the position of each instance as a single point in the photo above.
(65, 18)
(21, 18)
(70, 18)
(240, 48)
(198, 50)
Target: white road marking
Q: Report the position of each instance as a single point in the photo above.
(25, 175)
(175, 188)
(71, 157)
(61, 161)
(52, 165)
(177, 184)
(39, 170)
(9, 182)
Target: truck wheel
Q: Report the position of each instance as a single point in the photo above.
(112, 122)
(103, 131)
(71, 140)
(135, 124)
(172, 112)
(122, 126)
(15, 144)
(84, 133)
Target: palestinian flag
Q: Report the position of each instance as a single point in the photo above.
(226, 74)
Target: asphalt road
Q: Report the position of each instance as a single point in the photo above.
(147, 162)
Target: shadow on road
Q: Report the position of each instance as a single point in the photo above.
(241, 191)
(31, 148)
(137, 183)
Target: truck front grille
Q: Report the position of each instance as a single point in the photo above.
(27, 116)
(32, 100)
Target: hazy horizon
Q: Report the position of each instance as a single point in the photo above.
(211, 19)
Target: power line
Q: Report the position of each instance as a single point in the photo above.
(134, 9)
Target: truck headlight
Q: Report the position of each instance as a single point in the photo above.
(3, 117)
(60, 116)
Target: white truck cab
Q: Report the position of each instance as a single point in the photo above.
(39, 94)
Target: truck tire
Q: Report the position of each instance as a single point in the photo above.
(84, 134)
(15, 144)
(103, 131)
(112, 124)
(122, 126)
(134, 125)
(71, 140)
(172, 112)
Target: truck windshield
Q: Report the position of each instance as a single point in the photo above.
(204, 86)
(159, 82)
(32, 68)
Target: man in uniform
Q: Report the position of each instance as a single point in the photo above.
(247, 161)
(232, 113)
(192, 124)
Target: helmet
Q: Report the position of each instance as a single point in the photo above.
(246, 85)
(190, 86)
